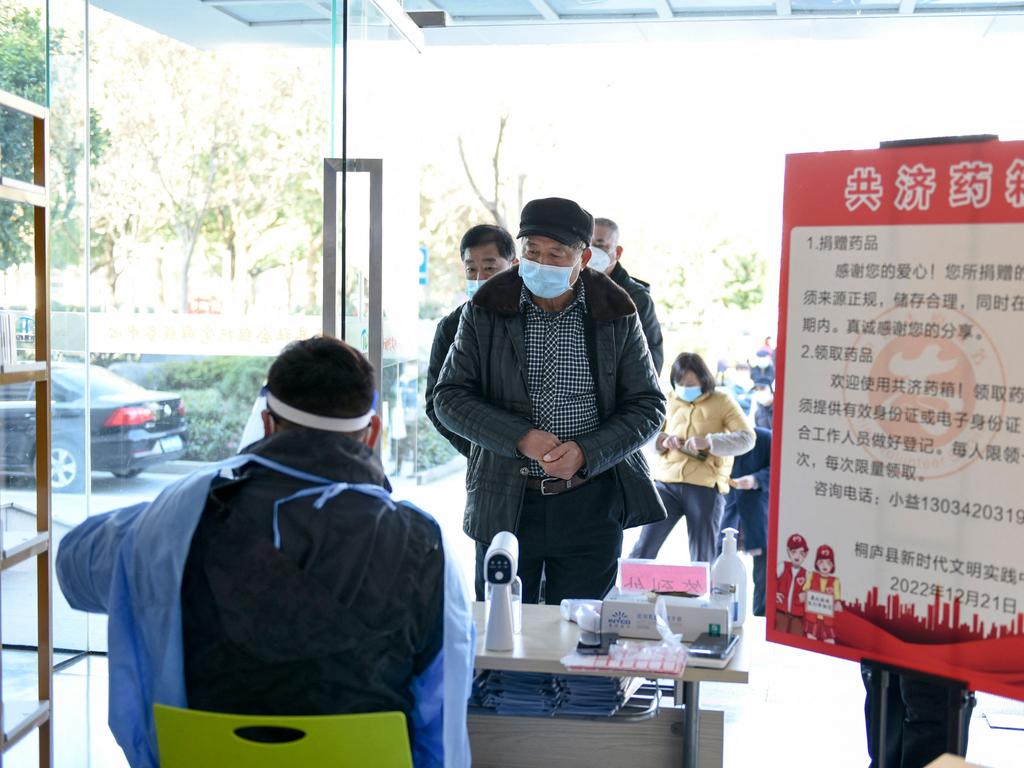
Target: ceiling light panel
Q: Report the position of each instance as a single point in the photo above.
(610, 9)
(844, 7)
(723, 7)
(273, 13)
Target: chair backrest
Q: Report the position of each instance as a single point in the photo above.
(190, 738)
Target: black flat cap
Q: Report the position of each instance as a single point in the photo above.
(555, 217)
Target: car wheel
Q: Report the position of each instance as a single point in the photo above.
(67, 468)
(128, 473)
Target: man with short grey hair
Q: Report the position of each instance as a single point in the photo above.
(606, 253)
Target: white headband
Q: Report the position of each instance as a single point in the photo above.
(312, 420)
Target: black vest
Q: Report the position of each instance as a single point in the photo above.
(340, 620)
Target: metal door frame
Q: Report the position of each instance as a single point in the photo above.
(334, 282)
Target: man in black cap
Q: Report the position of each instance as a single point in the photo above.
(550, 381)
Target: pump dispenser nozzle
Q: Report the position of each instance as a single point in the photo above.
(729, 544)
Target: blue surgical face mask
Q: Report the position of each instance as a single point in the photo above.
(472, 286)
(689, 394)
(544, 280)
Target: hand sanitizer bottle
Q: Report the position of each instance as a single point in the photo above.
(729, 579)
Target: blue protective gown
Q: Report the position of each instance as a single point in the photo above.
(129, 564)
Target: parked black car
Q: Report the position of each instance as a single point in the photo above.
(131, 427)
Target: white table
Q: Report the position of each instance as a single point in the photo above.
(546, 638)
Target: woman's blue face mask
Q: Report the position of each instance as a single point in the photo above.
(689, 394)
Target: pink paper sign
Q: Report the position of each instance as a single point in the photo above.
(645, 576)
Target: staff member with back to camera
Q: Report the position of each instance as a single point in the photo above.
(703, 430)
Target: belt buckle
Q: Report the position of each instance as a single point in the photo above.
(543, 486)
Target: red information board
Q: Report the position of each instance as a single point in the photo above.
(897, 513)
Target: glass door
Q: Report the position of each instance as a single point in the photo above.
(375, 263)
(371, 215)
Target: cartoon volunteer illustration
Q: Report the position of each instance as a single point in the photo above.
(789, 610)
(821, 597)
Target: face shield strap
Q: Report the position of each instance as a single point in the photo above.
(315, 421)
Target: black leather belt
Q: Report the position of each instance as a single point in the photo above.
(552, 486)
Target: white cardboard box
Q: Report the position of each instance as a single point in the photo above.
(633, 615)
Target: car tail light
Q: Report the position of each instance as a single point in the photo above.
(181, 407)
(129, 416)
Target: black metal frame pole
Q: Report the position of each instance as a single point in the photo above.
(879, 709)
(959, 709)
(344, 164)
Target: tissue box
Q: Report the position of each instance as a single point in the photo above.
(628, 614)
(693, 616)
(632, 615)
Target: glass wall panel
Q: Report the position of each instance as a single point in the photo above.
(73, 150)
(24, 754)
(205, 246)
(24, 27)
(380, 117)
(18, 516)
(23, 74)
(382, 68)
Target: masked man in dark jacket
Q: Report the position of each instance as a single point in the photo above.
(485, 251)
(551, 382)
(606, 257)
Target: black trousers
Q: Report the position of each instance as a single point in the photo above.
(703, 509)
(574, 539)
(760, 578)
(917, 723)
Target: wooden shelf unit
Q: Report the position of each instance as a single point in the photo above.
(19, 718)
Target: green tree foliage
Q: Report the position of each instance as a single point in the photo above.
(218, 394)
(269, 182)
(23, 73)
(226, 197)
(744, 288)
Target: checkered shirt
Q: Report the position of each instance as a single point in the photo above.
(558, 370)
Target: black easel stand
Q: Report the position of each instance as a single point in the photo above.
(959, 702)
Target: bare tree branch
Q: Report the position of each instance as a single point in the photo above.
(488, 204)
(519, 194)
(495, 163)
(491, 205)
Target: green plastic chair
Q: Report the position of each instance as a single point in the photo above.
(190, 738)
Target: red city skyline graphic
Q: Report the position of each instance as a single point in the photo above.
(944, 622)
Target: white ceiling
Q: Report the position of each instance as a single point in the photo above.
(216, 23)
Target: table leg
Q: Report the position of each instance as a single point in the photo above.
(688, 694)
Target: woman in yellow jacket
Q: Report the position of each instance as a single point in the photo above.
(703, 430)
